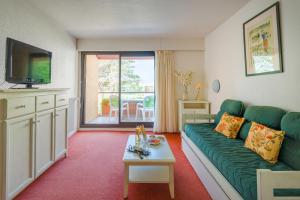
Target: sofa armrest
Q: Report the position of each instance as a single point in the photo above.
(268, 180)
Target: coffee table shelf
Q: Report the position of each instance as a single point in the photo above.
(148, 174)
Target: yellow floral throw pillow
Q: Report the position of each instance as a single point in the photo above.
(229, 125)
(264, 141)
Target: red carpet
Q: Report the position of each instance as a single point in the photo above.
(94, 170)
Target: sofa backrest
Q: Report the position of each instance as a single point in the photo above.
(266, 115)
(232, 107)
(290, 150)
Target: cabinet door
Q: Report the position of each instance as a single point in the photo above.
(44, 141)
(60, 132)
(19, 154)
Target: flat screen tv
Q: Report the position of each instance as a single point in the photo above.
(26, 64)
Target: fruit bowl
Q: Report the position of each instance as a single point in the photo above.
(154, 141)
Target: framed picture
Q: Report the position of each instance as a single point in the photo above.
(262, 43)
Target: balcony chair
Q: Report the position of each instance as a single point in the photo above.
(114, 106)
(146, 106)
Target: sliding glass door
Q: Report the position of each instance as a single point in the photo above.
(117, 89)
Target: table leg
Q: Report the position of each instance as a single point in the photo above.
(171, 180)
(126, 179)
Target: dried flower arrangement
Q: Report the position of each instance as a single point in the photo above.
(185, 78)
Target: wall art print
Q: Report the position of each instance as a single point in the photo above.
(262, 42)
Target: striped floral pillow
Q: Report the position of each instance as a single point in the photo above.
(265, 141)
(229, 125)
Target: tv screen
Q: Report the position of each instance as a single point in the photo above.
(26, 64)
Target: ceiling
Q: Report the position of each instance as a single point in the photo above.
(139, 18)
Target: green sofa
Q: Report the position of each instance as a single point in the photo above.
(237, 164)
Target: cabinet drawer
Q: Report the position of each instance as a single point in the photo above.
(61, 100)
(20, 106)
(44, 102)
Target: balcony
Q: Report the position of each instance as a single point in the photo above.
(119, 89)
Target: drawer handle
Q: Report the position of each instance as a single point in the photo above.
(61, 100)
(21, 106)
(37, 121)
(46, 102)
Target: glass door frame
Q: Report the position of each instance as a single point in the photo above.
(83, 89)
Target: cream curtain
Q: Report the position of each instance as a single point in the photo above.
(165, 104)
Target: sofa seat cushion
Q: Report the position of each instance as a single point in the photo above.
(237, 163)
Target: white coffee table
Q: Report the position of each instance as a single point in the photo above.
(155, 168)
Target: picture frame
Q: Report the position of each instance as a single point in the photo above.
(262, 43)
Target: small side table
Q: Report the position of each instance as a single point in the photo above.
(189, 109)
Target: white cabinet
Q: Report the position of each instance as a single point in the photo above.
(19, 154)
(61, 142)
(44, 141)
(33, 135)
(188, 112)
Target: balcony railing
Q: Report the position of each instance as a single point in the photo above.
(134, 107)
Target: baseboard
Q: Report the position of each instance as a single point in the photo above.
(71, 133)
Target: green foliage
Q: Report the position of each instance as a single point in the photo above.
(114, 100)
(109, 76)
(131, 82)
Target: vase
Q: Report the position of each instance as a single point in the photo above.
(185, 93)
(137, 140)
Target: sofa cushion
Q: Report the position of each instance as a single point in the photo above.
(290, 123)
(232, 107)
(290, 151)
(237, 164)
(264, 141)
(229, 125)
(265, 115)
(243, 134)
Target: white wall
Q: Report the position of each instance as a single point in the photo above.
(21, 21)
(189, 53)
(190, 61)
(224, 60)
